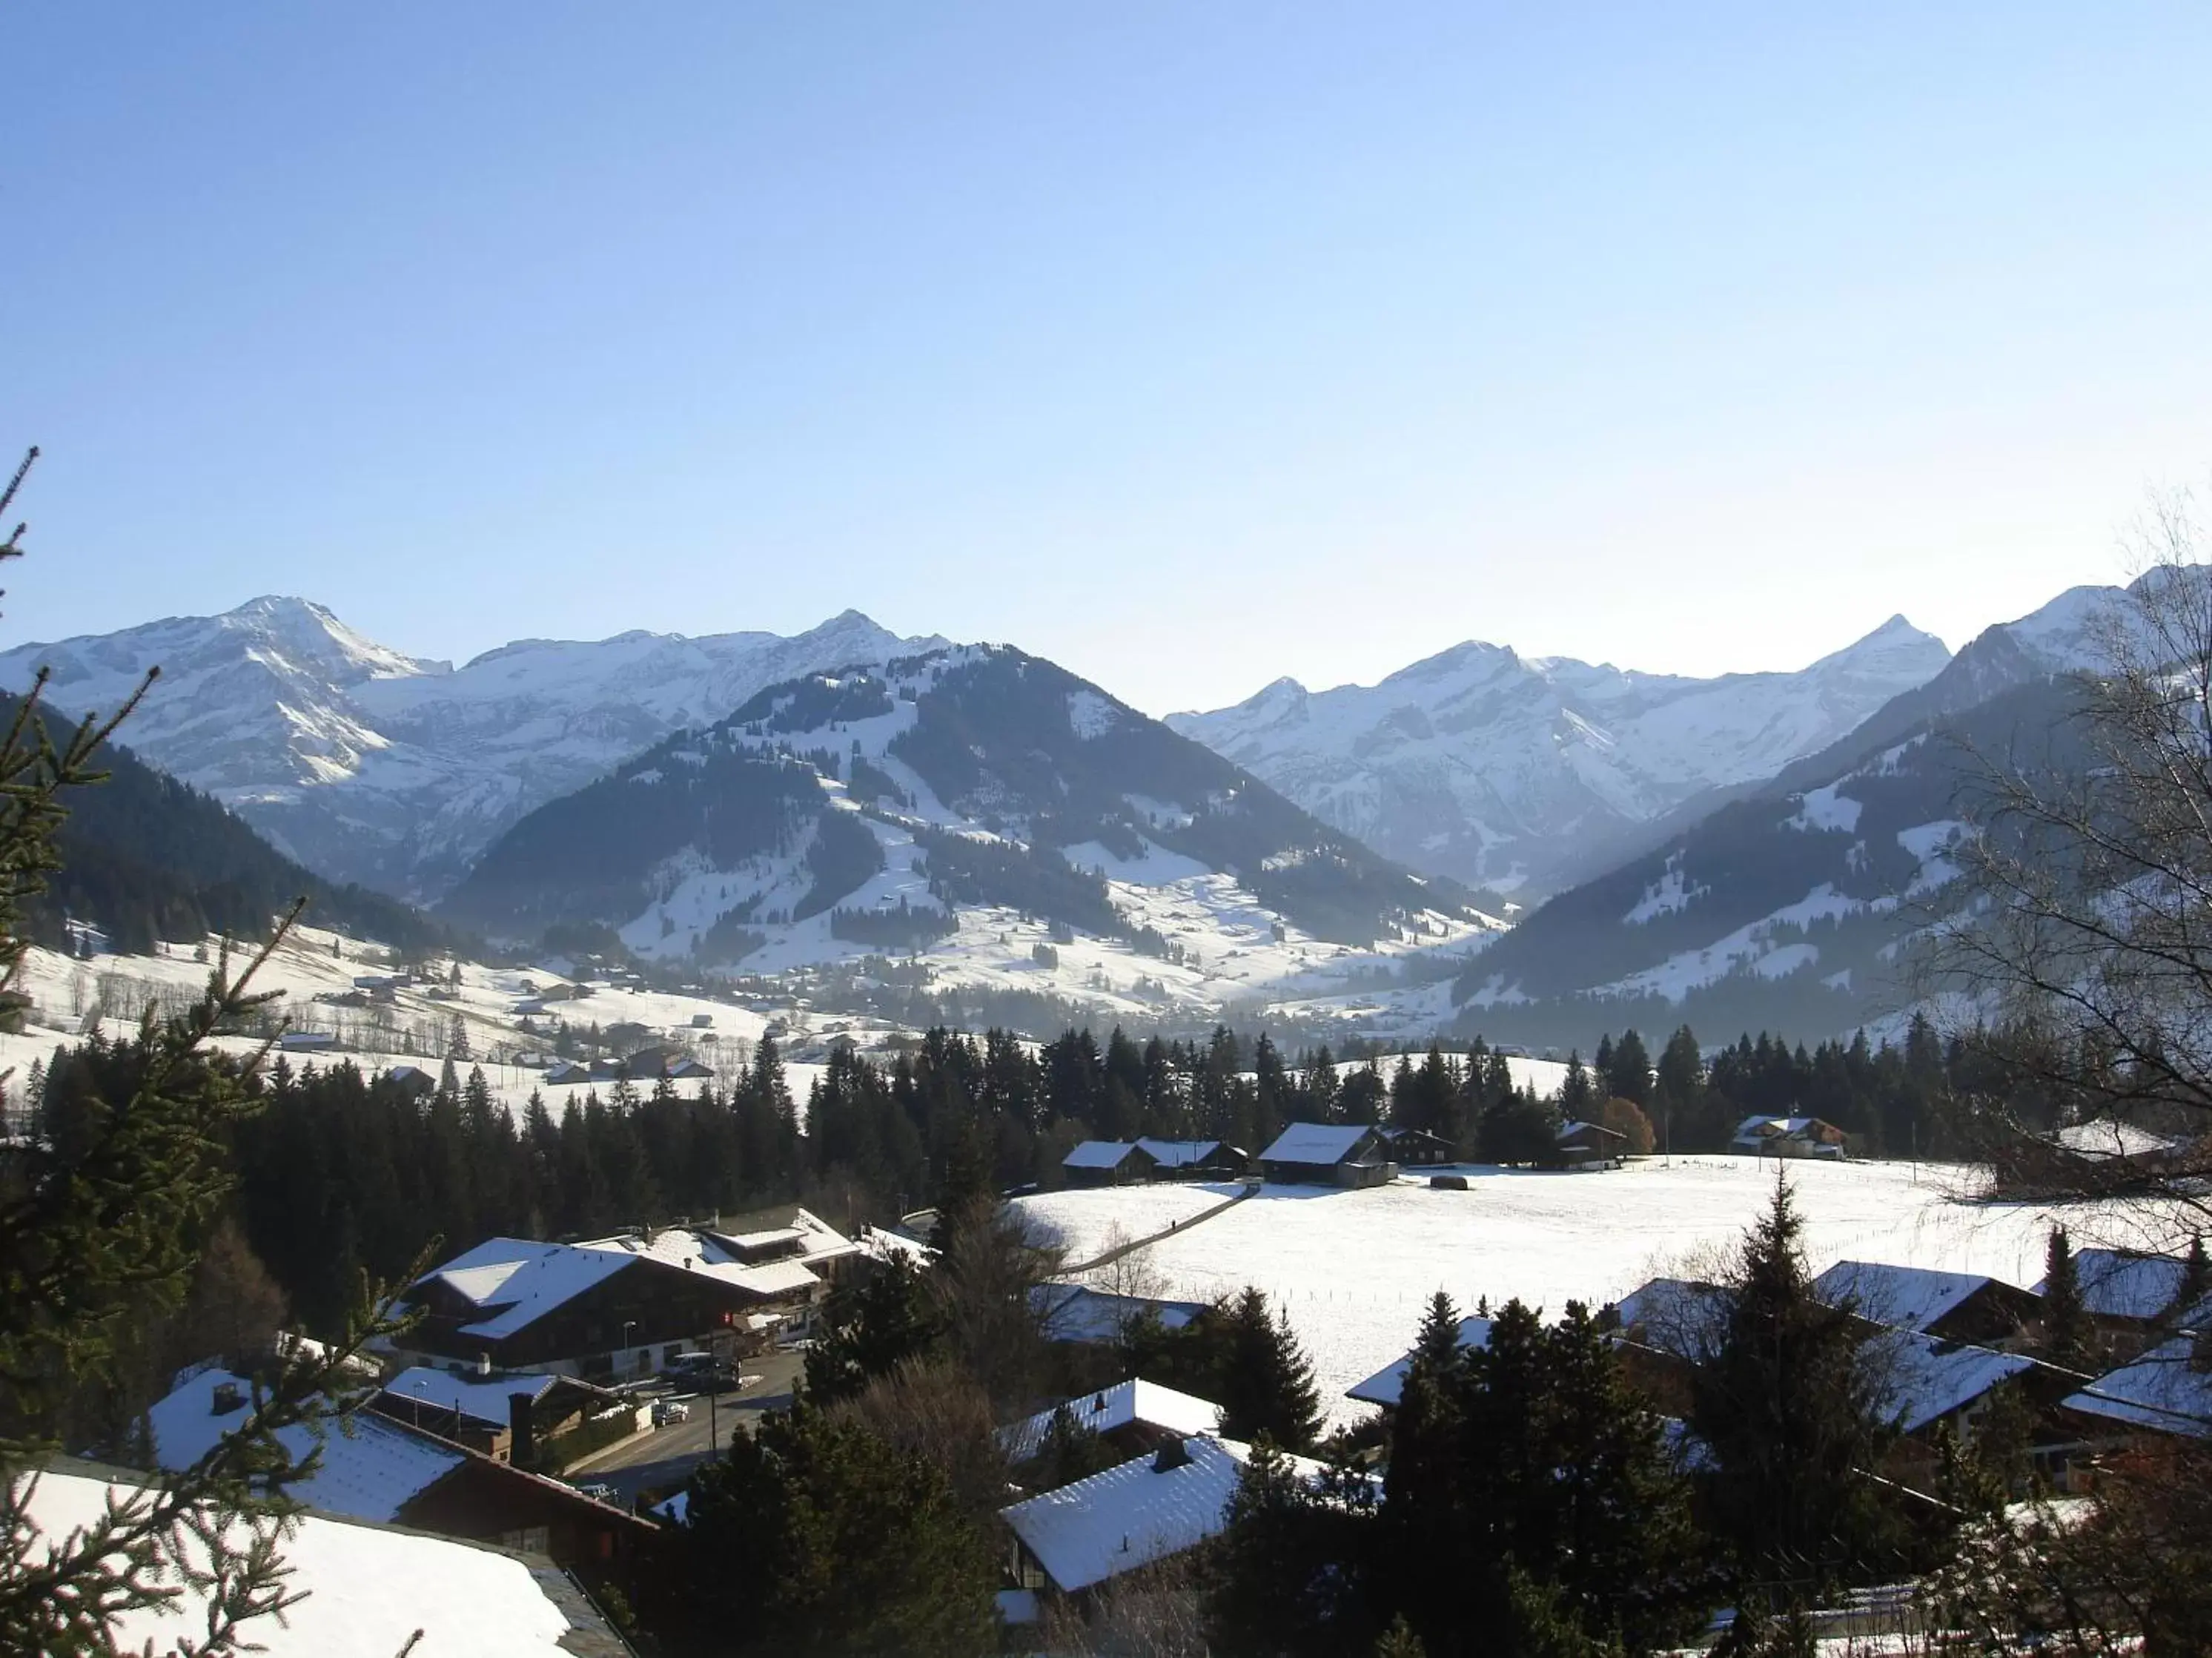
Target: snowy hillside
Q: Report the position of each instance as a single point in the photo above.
(1791, 911)
(1515, 773)
(367, 764)
(1011, 824)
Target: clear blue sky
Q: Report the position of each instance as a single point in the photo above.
(1187, 345)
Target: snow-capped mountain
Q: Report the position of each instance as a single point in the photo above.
(1015, 826)
(1517, 773)
(1788, 908)
(369, 766)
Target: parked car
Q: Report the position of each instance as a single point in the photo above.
(667, 1410)
(602, 1490)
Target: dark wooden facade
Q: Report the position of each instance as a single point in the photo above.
(646, 1303)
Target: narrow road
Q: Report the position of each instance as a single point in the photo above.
(665, 1458)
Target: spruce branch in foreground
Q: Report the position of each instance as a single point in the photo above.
(103, 1212)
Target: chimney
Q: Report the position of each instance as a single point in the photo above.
(484, 1364)
(522, 1429)
(228, 1399)
(1172, 1455)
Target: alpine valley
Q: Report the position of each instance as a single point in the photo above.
(849, 807)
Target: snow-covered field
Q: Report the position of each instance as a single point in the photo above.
(1354, 1269)
(1090, 1222)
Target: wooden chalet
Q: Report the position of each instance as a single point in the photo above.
(1949, 1306)
(388, 1471)
(1329, 1153)
(1133, 1417)
(1108, 1163)
(505, 1418)
(1589, 1145)
(1788, 1137)
(624, 1305)
(1417, 1147)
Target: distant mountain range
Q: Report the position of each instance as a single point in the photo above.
(1743, 852)
(374, 766)
(1523, 774)
(1789, 907)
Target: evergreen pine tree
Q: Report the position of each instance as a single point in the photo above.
(1267, 1383)
(2068, 1338)
(103, 1226)
(1791, 1407)
(814, 1534)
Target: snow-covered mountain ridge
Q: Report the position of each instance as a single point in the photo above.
(367, 764)
(985, 816)
(1791, 908)
(1515, 773)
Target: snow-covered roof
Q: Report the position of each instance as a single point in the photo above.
(1387, 1385)
(483, 1398)
(2163, 1390)
(1681, 1316)
(2127, 1284)
(2107, 1138)
(1755, 1128)
(1074, 1312)
(518, 1280)
(370, 1467)
(1928, 1379)
(1099, 1154)
(706, 1254)
(1179, 1154)
(1577, 1126)
(1132, 1515)
(1119, 1407)
(1907, 1297)
(367, 1590)
(1324, 1144)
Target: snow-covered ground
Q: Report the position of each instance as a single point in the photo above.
(415, 1027)
(1088, 1223)
(1353, 1269)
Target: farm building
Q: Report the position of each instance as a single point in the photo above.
(568, 1071)
(1788, 1137)
(1324, 1153)
(1590, 1145)
(1950, 1306)
(1108, 1163)
(1417, 1148)
(1195, 1159)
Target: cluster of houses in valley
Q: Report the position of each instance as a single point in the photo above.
(1947, 1343)
(522, 1351)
